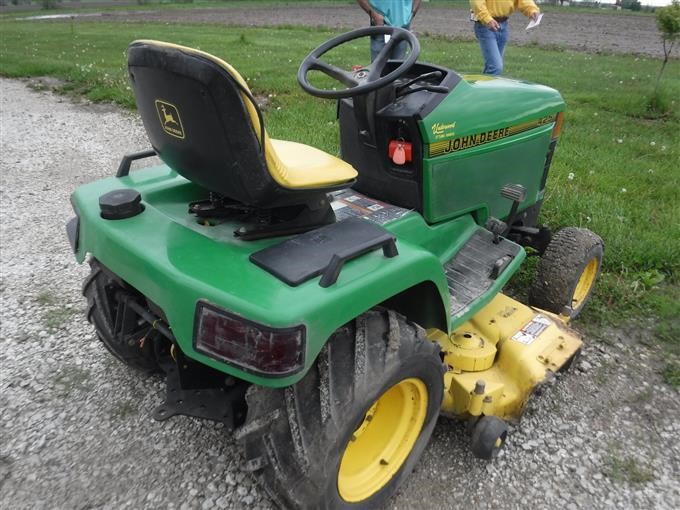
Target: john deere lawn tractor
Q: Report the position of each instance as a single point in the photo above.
(328, 310)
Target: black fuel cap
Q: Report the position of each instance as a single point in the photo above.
(120, 204)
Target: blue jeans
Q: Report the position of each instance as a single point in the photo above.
(492, 45)
(378, 43)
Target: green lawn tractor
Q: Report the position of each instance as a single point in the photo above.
(328, 310)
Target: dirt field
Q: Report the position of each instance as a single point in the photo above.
(597, 32)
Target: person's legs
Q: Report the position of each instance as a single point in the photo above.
(489, 44)
(399, 51)
(502, 36)
(377, 44)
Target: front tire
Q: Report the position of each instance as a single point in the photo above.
(349, 433)
(567, 272)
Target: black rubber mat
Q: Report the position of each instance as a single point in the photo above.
(471, 272)
(307, 255)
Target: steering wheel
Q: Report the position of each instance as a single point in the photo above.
(365, 79)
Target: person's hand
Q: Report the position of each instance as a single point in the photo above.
(493, 25)
(534, 16)
(377, 18)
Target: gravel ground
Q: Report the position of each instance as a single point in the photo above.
(597, 32)
(75, 425)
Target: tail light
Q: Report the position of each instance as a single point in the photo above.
(253, 347)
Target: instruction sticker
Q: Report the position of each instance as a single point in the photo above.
(348, 203)
(532, 330)
(336, 206)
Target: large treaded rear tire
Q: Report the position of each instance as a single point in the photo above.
(567, 272)
(98, 288)
(294, 438)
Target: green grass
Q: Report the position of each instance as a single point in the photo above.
(671, 374)
(616, 169)
(628, 469)
(37, 9)
(122, 409)
(71, 379)
(47, 298)
(54, 315)
(57, 317)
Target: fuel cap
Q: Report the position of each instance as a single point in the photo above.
(120, 204)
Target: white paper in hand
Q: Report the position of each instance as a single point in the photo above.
(387, 38)
(533, 23)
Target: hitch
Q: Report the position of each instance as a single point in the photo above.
(198, 391)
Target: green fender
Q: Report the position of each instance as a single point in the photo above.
(174, 261)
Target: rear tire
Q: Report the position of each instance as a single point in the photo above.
(567, 272)
(136, 348)
(349, 433)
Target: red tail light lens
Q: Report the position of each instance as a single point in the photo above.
(251, 346)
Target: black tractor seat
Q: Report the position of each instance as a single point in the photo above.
(203, 121)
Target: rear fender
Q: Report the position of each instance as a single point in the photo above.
(176, 263)
(421, 304)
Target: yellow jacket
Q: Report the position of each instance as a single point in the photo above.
(485, 10)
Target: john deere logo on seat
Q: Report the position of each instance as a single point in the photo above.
(169, 117)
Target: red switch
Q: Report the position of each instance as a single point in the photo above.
(400, 152)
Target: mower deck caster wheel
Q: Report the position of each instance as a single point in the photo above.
(488, 437)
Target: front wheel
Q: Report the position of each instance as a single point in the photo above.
(567, 272)
(349, 433)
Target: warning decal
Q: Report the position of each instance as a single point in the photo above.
(348, 203)
(532, 330)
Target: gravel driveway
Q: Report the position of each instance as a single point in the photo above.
(75, 425)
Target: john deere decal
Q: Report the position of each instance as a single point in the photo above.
(170, 119)
(474, 140)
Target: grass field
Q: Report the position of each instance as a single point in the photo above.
(616, 170)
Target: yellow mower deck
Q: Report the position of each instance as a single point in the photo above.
(496, 359)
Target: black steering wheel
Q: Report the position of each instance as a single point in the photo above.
(365, 79)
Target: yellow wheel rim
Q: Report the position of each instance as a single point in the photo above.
(383, 440)
(585, 283)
